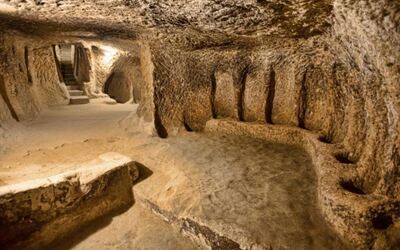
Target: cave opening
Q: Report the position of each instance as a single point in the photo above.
(65, 55)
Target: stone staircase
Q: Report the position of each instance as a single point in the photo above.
(77, 95)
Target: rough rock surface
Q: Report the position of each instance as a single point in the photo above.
(32, 212)
(330, 67)
(283, 18)
(189, 176)
(125, 81)
(101, 69)
(29, 77)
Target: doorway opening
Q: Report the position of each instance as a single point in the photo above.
(75, 70)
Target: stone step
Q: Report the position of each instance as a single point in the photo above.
(73, 92)
(81, 99)
(73, 87)
(70, 80)
(66, 66)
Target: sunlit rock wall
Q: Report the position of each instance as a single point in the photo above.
(125, 78)
(29, 77)
(46, 82)
(262, 83)
(99, 69)
(342, 85)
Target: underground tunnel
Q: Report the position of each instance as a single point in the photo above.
(199, 124)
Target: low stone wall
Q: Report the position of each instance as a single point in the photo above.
(36, 213)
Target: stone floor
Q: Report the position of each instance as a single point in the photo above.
(34, 146)
(136, 228)
(254, 193)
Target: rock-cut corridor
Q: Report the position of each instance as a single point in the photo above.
(199, 124)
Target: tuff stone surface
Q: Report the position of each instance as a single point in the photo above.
(327, 67)
(292, 18)
(32, 212)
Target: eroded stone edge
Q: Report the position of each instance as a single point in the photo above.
(38, 216)
(191, 228)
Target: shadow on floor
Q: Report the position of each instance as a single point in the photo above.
(77, 236)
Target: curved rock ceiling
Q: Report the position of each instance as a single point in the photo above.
(282, 18)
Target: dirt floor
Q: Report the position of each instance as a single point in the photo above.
(136, 228)
(255, 193)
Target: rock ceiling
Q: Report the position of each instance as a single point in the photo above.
(279, 18)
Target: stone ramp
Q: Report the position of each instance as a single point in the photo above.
(35, 213)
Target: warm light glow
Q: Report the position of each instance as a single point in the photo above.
(6, 8)
(109, 54)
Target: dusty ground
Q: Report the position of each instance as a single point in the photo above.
(34, 151)
(137, 228)
(253, 192)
